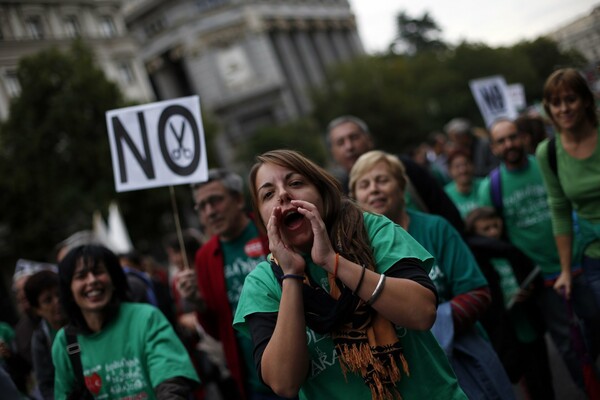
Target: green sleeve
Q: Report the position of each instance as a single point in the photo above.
(391, 243)
(7, 333)
(560, 206)
(64, 377)
(261, 293)
(165, 355)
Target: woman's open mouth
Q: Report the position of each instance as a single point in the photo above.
(293, 219)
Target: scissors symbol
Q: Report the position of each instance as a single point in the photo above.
(180, 151)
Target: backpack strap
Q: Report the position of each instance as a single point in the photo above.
(150, 295)
(552, 156)
(496, 189)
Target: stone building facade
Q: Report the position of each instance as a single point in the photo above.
(27, 27)
(582, 34)
(252, 62)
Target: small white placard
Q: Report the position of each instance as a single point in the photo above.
(493, 99)
(516, 91)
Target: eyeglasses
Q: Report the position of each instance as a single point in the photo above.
(213, 200)
(512, 137)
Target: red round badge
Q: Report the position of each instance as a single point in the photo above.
(254, 248)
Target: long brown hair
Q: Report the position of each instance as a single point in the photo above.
(343, 218)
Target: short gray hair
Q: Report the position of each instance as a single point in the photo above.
(344, 119)
(230, 180)
(459, 126)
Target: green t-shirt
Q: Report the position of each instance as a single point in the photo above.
(577, 189)
(465, 203)
(128, 358)
(508, 280)
(7, 333)
(241, 256)
(431, 376)
(455, 270)
(526, 214)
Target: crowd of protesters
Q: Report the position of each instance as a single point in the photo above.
(437, 274)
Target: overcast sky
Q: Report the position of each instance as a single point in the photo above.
(496, 22)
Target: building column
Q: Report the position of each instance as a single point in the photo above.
(290, 63)
(355, 42)
(324, 48)
(339, 41)
(308, 57)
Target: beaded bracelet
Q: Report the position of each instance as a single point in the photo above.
(293, 276)
(360, 280)
(377, 291)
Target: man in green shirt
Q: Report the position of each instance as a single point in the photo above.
(526, 215)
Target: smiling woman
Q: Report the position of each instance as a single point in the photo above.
(115, 338)
(343, 305)
(573, 185)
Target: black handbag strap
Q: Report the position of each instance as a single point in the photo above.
(80, 390)
(74, 352)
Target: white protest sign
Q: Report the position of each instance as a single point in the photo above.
(516, 91)
(493, 100)
(157, 144)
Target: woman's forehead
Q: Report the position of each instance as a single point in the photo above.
(270, 171)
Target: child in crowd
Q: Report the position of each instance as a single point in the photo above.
(529, 356)
(42, 294)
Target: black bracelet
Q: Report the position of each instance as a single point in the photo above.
(360, 280)
(293, 276)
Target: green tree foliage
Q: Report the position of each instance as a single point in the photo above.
(545, 57)
(55, 163)
(301, 135)
(374, 89)
(403, 99)
(211, 130)
(416, 35)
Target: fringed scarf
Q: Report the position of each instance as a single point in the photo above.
(366, 342)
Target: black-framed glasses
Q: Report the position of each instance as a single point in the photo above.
(512, 137)
(213, 200)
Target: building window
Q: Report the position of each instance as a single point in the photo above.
(34, 27)
(72, 28)
(107, 26)
(155, 27)
(126, 75)
(11, 82)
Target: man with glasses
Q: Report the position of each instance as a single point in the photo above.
(221, 266)
(517, 191)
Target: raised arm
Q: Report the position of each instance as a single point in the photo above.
(284, 364)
